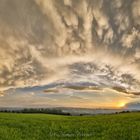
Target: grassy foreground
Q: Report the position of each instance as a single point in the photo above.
(44, 127)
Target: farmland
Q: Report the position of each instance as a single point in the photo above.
(125, 126)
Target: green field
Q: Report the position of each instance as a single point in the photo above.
(43, 127)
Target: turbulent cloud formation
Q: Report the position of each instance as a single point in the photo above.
(78, 41)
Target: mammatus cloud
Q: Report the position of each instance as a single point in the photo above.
(44, 41)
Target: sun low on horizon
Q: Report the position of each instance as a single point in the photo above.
(70, 53)
(121, 104)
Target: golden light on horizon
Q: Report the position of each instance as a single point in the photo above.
(121, 104)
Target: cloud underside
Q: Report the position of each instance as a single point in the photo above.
(43, 41)
(91, 89)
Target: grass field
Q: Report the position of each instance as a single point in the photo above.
(43, 127)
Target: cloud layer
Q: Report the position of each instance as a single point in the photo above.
(44, 41)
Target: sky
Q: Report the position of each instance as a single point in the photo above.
(70, 53)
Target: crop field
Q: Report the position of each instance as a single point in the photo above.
(44, 127)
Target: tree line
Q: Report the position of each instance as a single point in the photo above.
(35, 110)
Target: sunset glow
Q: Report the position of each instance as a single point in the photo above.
(121, 104)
